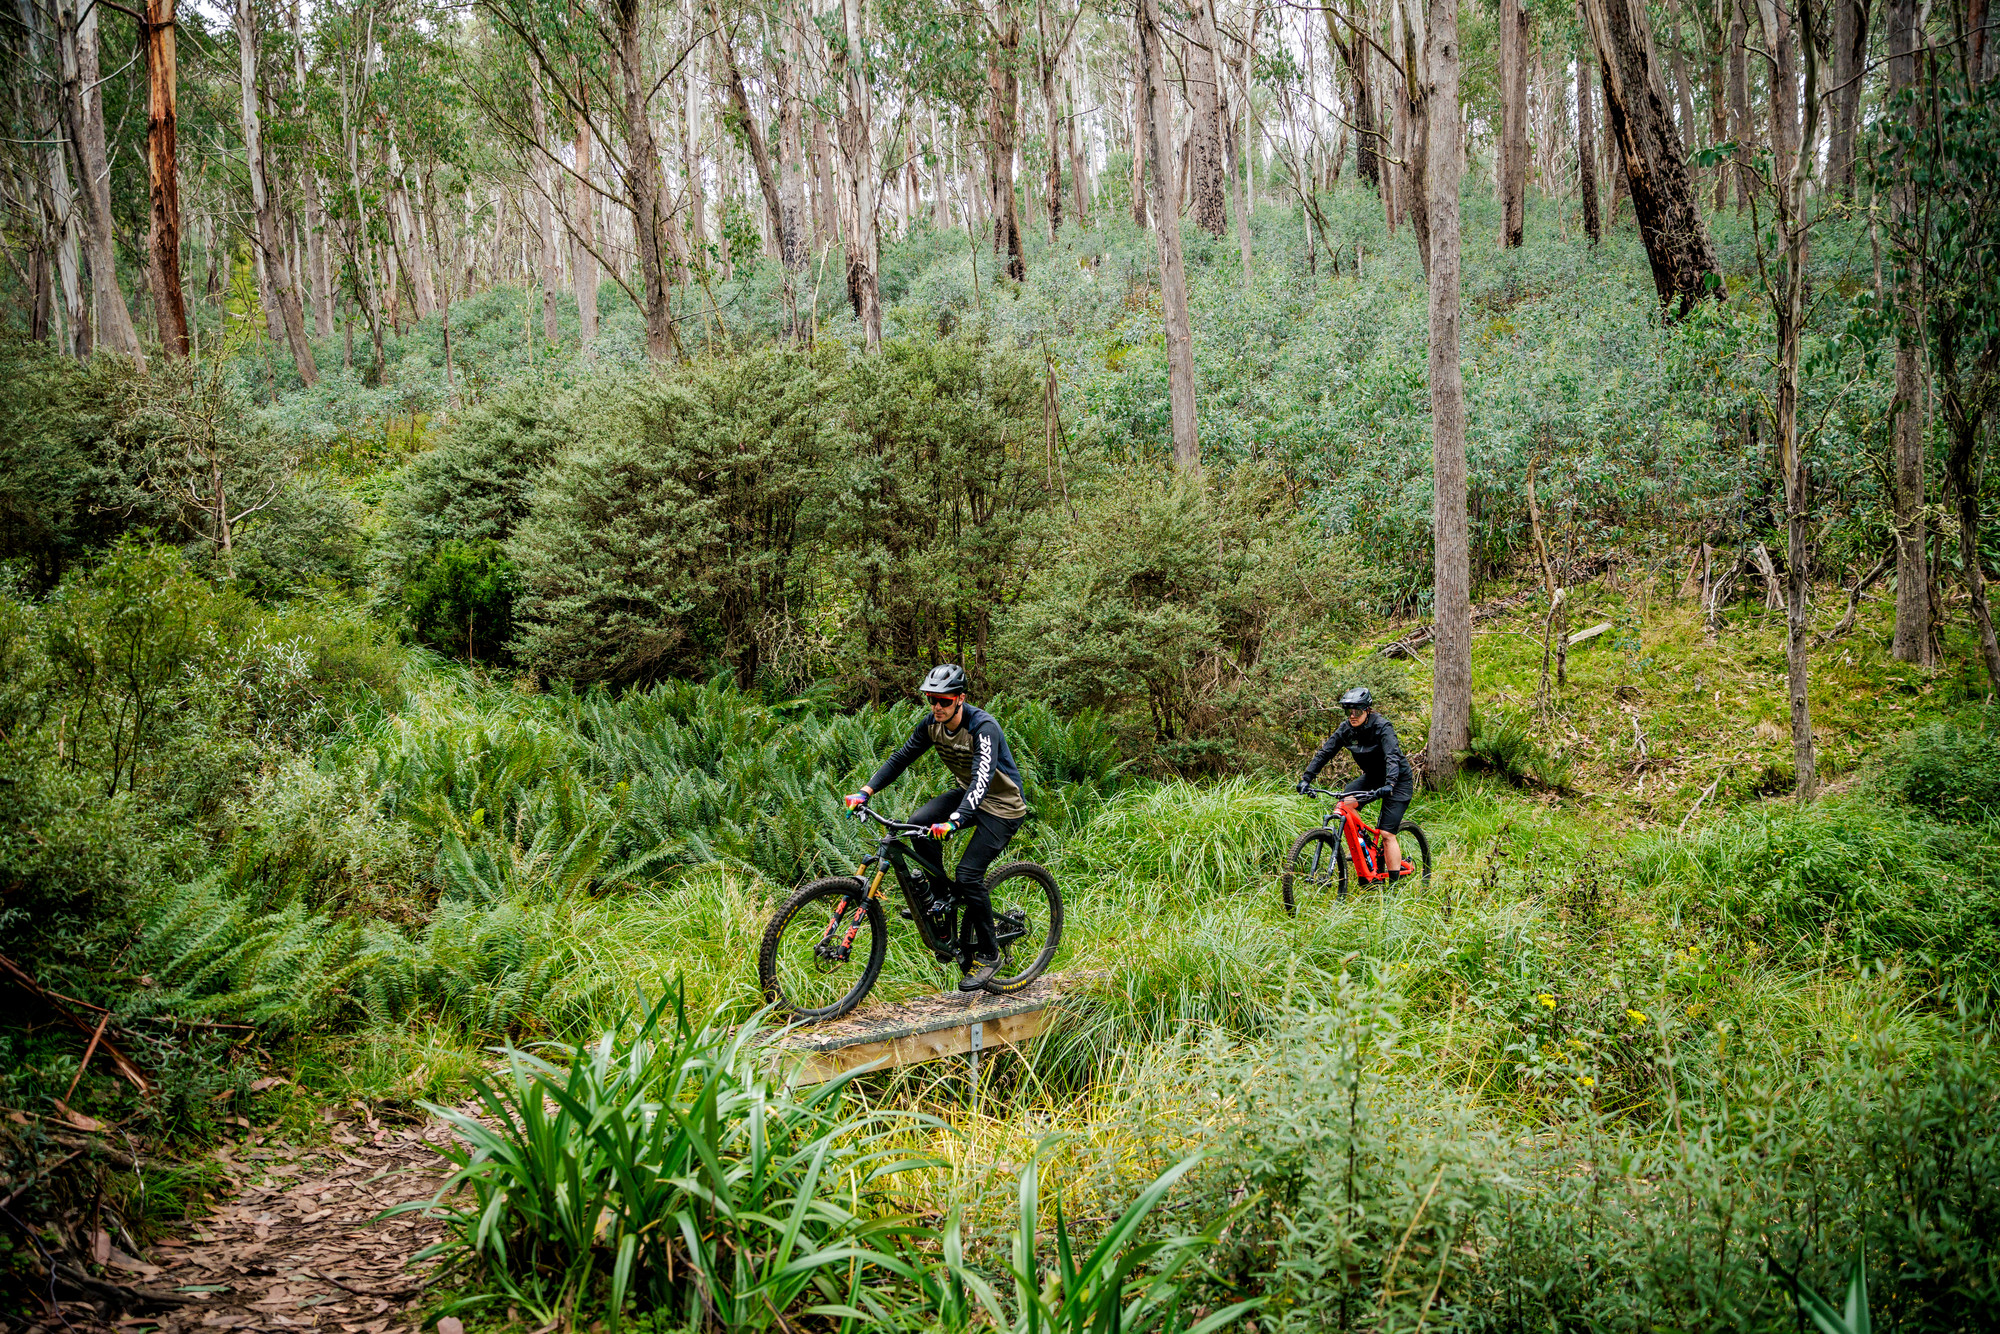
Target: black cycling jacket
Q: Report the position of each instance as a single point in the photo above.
(1373, 746)
(978, 758)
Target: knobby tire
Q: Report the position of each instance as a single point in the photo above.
(1040, 896)
(1422, 861)
(805, 914)
(1310, 864)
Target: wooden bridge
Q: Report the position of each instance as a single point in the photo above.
(952, 1024)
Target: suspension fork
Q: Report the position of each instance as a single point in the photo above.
(860, 910)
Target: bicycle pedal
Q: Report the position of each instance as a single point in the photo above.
(904, 913)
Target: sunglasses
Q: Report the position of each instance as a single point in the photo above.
(941, 701)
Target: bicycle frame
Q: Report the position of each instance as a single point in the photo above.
(1364, 851)
(891, 853)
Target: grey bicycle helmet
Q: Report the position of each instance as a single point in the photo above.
(1357, 698)
(947, 678)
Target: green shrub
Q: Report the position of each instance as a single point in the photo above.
(665, 536)
(1887, 1148)
(61, 491)
(1354, 1173)
(118, 645)
(70, 866)
(310, 536)
(1509, 750)
(938, 483)
(1951, 772)
(1376, 1196)
(473, 485)
(1384, 678)
(1197, 607)
(461, 601)
(353, 659)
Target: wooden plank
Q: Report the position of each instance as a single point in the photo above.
(817, 1067)
(924, 1029)
(1592, 633)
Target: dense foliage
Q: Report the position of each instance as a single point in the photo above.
(514, 696)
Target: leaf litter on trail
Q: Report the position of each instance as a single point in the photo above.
(307, 1249)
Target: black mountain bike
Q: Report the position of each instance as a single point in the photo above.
(824, 949)
(1322, 856)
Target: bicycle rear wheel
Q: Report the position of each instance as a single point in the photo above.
(1028, 919)
(1316, 858)
(823, 949)
(1420, 862)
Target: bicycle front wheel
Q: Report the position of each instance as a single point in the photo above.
(1028, 919)
(1318, 858)
(823, 950)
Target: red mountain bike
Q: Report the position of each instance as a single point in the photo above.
(1322, 856)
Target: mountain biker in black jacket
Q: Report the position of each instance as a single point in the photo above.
(1385, 773)
(988, 800)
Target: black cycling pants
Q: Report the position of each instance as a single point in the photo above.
(1390, 818)
(990, 837)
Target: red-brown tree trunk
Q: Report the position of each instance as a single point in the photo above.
(163, 176)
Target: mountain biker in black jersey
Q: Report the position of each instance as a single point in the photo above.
(988, 800)
(1385, 773)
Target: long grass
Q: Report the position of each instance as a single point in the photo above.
(1558, 986)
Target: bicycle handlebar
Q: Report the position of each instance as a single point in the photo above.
(1361, 798)
(895, 826)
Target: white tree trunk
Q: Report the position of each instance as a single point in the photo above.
(1451, 672)
(1156, 112)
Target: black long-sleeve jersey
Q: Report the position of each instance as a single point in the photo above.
(977, 756)
(1374, 747)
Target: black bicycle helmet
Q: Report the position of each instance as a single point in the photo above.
(1357, 698)
(947, 678)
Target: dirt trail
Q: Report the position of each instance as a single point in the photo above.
(300, 1219)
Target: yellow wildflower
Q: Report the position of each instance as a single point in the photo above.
(1587, 1081)
(1548, 1001)
(1636, 1016)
